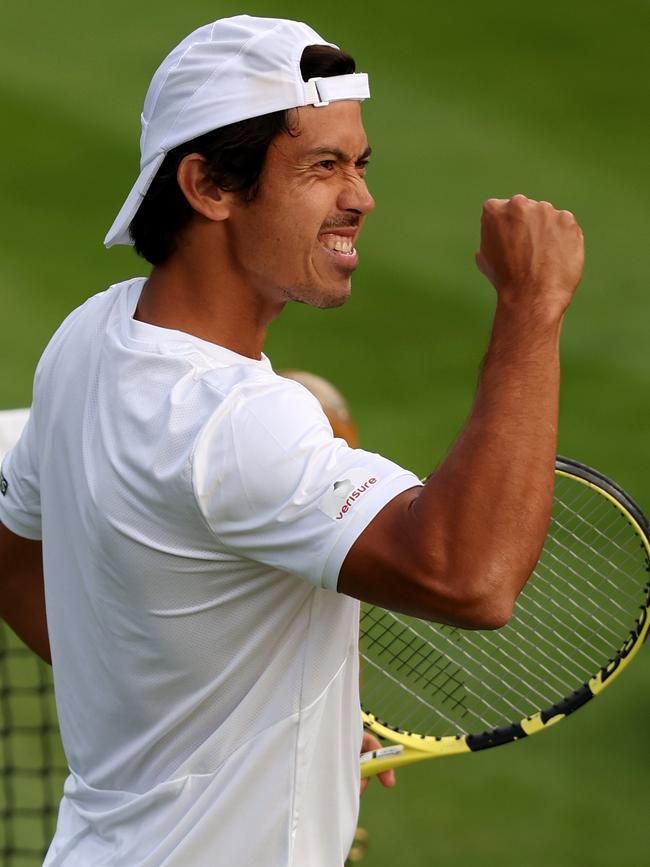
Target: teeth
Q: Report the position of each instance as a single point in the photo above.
(337, 242)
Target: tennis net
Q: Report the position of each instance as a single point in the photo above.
(32, 765)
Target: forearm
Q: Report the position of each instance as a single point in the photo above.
(24, 611)
(22, 595)
(487, 507)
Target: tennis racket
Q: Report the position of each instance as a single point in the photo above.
(433, 690)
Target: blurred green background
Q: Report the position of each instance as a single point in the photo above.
(469, 101)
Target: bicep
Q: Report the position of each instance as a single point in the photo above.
(407, 560)
(388, 565)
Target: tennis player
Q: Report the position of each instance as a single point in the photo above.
(204, 537)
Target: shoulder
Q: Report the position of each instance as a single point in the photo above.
(267, 445)
(97, 304)
(261, 419)
(80, 320)
(258, 398)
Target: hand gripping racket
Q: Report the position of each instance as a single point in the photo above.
(436, 690)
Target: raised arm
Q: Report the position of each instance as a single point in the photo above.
(460, 549)
(22, 597)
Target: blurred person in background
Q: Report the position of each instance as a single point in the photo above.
(204, 537)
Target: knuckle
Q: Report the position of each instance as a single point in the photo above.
(491, 204)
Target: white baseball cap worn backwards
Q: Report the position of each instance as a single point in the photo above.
(231, 70)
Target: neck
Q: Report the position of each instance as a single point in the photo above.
(204, 295)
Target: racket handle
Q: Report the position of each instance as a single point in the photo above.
(376, 761)
(383, 752)
(397, 755)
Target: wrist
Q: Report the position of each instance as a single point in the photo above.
(540, 315)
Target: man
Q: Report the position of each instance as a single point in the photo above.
(201, 551)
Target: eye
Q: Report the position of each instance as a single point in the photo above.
(362, 166)
(328, 165)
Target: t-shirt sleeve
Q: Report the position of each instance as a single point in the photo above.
(20, 499)
(276, 487)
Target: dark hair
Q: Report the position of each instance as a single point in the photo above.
(234, 155)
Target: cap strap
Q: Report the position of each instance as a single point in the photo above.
(322, 91)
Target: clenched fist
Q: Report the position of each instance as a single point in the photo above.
(531, 253)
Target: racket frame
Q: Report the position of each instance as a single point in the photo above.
(407, 747)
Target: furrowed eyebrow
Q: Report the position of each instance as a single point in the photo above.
(339, 154)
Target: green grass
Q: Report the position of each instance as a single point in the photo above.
(469, 101)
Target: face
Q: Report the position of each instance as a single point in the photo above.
(297, 239)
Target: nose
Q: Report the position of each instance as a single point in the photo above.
(355, 195)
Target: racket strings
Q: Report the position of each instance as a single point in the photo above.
(608, 541)
(511, 649)
(629, 576)
(498, 702)
(416, 697)
(393, 623)
(591, 569)
(576, 612)
(440, 709)
(546, 593)
(505, 675)
(547, 606)
(413, 654)
(495, 681)
(566, 570)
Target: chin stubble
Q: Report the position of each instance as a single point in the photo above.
(317, 297)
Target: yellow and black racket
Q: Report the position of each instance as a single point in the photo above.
(436, 690)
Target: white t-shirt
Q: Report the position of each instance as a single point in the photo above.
(195, 511)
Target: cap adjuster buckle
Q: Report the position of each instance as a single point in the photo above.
(313, 94)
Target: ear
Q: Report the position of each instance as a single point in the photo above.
(200, 191)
